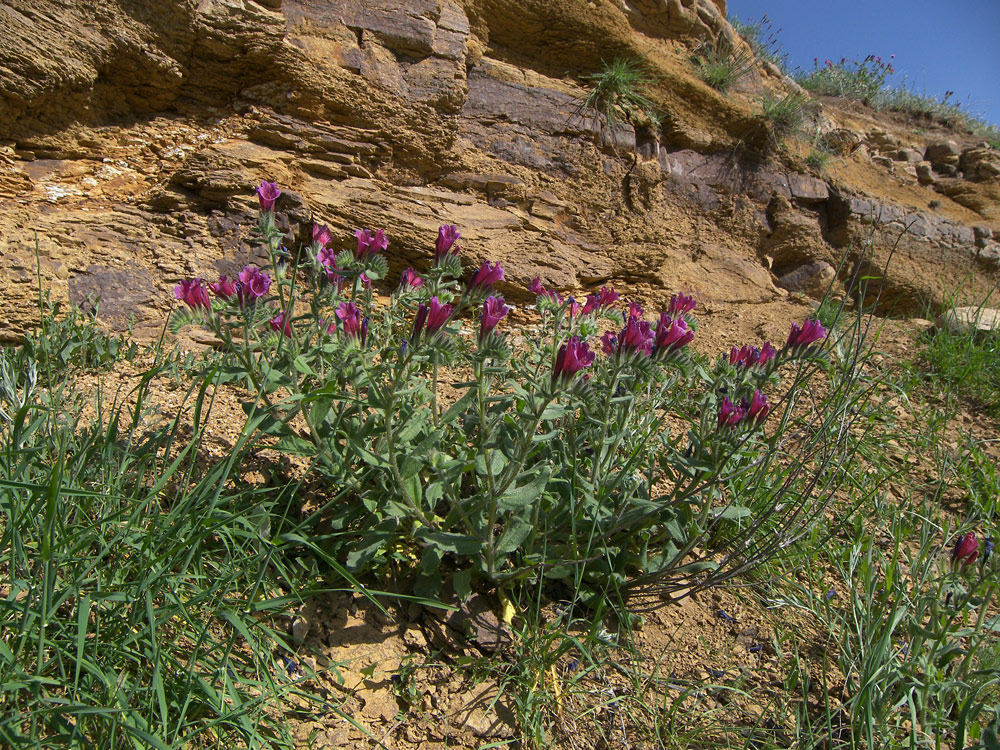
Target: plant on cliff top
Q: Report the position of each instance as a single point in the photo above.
(862, 80)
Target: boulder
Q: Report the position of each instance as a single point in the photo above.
(811, 279)
(943, 152)
(980, 163)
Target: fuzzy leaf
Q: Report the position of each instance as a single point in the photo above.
(526, 493)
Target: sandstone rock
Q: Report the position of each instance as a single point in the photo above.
(980, 163)
(807, 189)
(882, 161)
(924, 174)
(961, 320)
(843, 141)
(962, 193)
(812, 279)
(137, 57)
(909, 155)
(943, 152)
(795, 236)
(880, 140)
(700, 19)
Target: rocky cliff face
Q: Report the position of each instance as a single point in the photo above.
(133, 132)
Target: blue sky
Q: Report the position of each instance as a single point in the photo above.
(939, 46)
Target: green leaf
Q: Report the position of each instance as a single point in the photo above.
(526, 493)
(414, 488)
(428, 581)
(497, 462)
(734, 512)
(443, 541)
(514, 535)
(433, 494)
(300, 364)
(459, 407)
(366, 455)
(461, 581)
(296, 446)
(555, 411)
(412, 428)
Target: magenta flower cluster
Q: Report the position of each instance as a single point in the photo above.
(681, 304)
(494, 310)
(410, 279)
(750, 356)
(604, 298)
(267, 194)
(810, 332)
(487, 275)
(431, 318)
(447, 237)
(965, 551)
(193, 293)
(572, 357)
(752, 411)
(370, 243)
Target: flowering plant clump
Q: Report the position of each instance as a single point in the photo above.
(862, 80)
(554, 460)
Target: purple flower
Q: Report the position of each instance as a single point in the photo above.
(369, 244)
(758, 407)
(267, 194)
(635, 310)
(681, 303)
(810, 332)
(750, 356)
(637, 336)
(365, 281)
(433, 316)
(280, 322)
(224, 287)
(334, 276)
(327, 256)
(321, 235)
(537, 289)
(494, 310)
(730, 414)
(966, 550)
(437, 315)
(572, 357)
(194, 294)
(410, 279)
(672, 334)
(253, 284)
(488, 275)
(607, 296)
(350, 319)
(609, 343)
(447, 236)
(419, 321)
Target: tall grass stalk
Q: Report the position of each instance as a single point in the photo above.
(140, 586)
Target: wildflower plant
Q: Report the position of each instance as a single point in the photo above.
(862, 80)
(600, 463)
